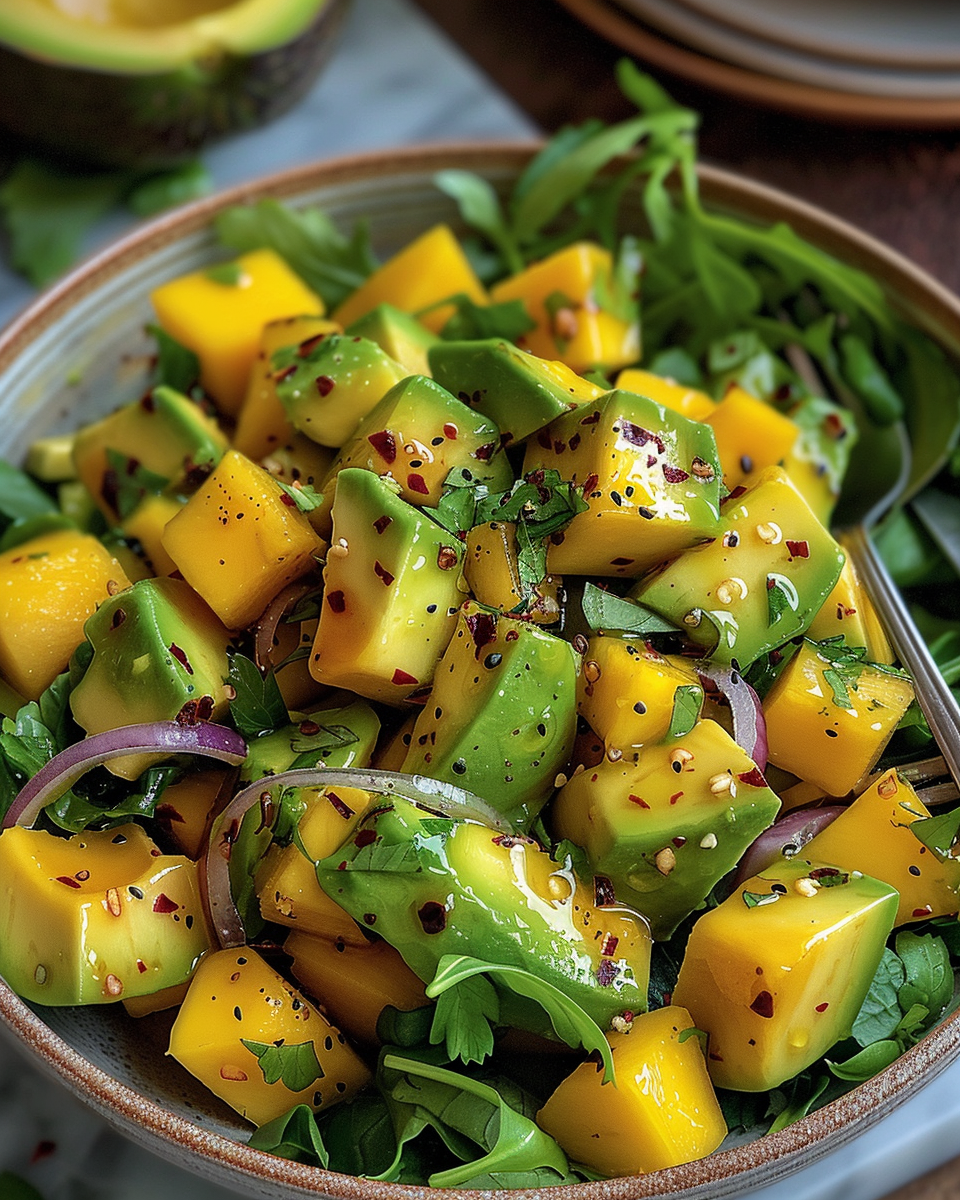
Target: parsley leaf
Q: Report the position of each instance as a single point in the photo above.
(687, 701)
(463, 1017)
(604, 610)
(258, 706)
(295, 1136)
(304, 496)
(296, 1066)
(880, 1012)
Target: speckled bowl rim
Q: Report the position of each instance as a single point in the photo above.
(759, 1163)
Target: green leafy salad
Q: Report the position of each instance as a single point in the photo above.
(443, 701)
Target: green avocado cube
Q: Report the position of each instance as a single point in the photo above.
(398, 334)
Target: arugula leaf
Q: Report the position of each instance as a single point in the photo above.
(687, 702)
(327, 261)
(480, 208)
(511, 1140)
(295, 1066)
(797, 1106)
(938, 833)
(678, 365)
(929, 978)
(570, 1023)
(508, 319)
(295, 1136)
(880, 1012)
(605, 610)
(177, 367)
(101, 800)
(865, 374)
(257, 706)
(463, 1019)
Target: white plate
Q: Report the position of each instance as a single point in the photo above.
(921, 35)
(722, 41)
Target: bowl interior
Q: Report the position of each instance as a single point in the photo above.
(81, 351)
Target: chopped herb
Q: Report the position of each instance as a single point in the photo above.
(463, 1017)
(508, 319)
(258, 706)
(129, 482)
(228, 274)
(758, 899)
(687, 702)
(605, 610)
(305, 497)
(177, 367)
(295, 1066)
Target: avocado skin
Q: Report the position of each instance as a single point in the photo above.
(151, 121)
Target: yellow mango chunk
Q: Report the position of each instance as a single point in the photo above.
(221, 322)
(255, 1042)
(240, 540)
(97, 917)
(146, 524)
(287, 884)
(429, 269)
(562, 294)
(688, 401)
(751, 435)
(662, 1112)
(354, 983)
(848, 612)
(492, 571)
(189, 805)
(873, 836)
(262, 425)
(49, 586)
(777, 973)
(830, 726)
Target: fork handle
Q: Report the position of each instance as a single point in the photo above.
(937, 702)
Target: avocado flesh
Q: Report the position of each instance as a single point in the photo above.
(121, 93)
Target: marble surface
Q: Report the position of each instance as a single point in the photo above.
(394, 80)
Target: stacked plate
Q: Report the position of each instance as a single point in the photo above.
(879, 61)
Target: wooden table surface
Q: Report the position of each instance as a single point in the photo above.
(902, 186)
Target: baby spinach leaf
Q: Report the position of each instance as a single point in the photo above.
(605, 610)
(570, 1023)
(257, 707)
(463, 1019)
(295, 1136)
(295, 1066)
(880, 1012)
(396, 1027)
(929, 978)
(868, 1062)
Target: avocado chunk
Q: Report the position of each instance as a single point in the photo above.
(398, 334)
(327, 389)
(392, 587)
(777, 973)
(418, 434)
(158, 652)
(758, 583)
(464, 888)
(501, 718)
(650, 478)
(667, 828)
(96, 918)
(518, 391)
(171, 75)
(162, 442)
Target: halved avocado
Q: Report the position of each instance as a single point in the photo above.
(148, 81)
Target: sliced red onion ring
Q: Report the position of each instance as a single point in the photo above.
(784, 839)
(155, 737)
(749, 723)
(434, 793)
(273, 614)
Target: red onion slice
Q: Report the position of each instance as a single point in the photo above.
(749, 723)
(273, 614)
(784, 839)
(159, 737)
(434, 793)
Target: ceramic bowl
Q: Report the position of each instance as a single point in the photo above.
(79, 351)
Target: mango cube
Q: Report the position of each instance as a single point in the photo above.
(751, 435)
(255, 1042)
(873, 836)
(219, 314)
(687, 401)
(848, 612)
(777, 973)
(828, 720)
(49, 586)
(96, 918)
(662, 1112)
(240, 540)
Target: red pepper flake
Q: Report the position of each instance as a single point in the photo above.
(163, 904)
(381, 523)
(621, 562)
(636, 800)
(592, 419)
(675, 797)
(590, 483)
(559, 446)
(735, 494)
(385, 444)
(280, 376)
(714, 1057)
(141, 966)
(680, 840)
(194, 712)
(119, 616)
(42, 1150)
(798, 549)
(483, 630)
(288, 500)
(382, 574)
(325, 384)
(307, 347)
(342, 808)
(68, 881)
(450, 430)
(485, 452)
(365, 837)
(402, 679)
(544, 440)
(609, 947)
(834, 426)
(824, 1006)
(763, 1005)
(337, 601)
(636, 435)
(574, 441)
(181, 656)
(675, 475)
(607, 972)
(753, 778)
(923, 912)
(603, 891)
(417, 483)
